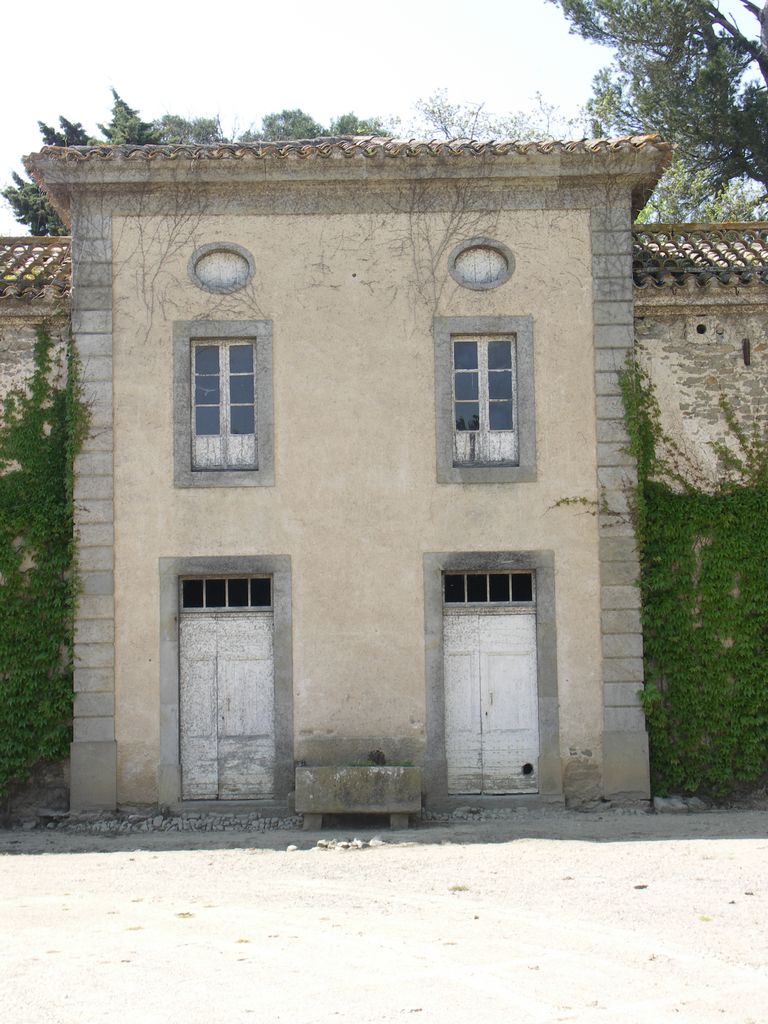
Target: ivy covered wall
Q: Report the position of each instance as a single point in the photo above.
(41, 427)
(704, 560)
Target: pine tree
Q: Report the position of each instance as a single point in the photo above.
(689, 71)
(70, 134)
(126, 127)
(30, 204)
(31, 207)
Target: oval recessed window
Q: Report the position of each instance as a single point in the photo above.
(481, 263)
(221, 267)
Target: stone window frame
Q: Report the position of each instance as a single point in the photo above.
(171, 571)
(185, 334)
(444, 329)
(542, 564)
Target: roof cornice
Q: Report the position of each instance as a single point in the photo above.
(368, 147)
(637, 161)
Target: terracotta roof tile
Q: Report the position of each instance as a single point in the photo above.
(350, 146)
(672, 254)
(33, 268)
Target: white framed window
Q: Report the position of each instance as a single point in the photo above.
(223, 416)
(224, 413)
(486, 428)
(484, 400)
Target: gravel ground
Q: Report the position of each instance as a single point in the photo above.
(543, 916)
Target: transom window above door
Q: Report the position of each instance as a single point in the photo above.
(227, 593)
(495, 588)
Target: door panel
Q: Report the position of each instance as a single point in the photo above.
(237, 760)
(496, 732)
(462, 712)
(509, 702)
(197, 673)
(245, 698)
(462, 704)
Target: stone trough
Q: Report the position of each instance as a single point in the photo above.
(358, 789)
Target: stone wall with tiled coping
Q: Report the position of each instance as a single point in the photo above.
(699, 343)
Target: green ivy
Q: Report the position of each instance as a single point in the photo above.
(41, 428)
(704, 582)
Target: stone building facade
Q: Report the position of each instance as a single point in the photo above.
(701, 320)
(338, 391)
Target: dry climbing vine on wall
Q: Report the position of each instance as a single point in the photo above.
(41, 428)
(704, 553)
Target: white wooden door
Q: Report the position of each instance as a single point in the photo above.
(491, 702)
(226, 676)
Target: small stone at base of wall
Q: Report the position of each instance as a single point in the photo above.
(130, 824)
(153, 821)
(478, 814)
(678, 804)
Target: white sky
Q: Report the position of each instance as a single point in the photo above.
(245, 58)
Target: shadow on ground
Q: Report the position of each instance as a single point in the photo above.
(612, 826)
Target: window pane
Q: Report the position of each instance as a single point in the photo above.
(500, 384)
(206, 390)
(477, 587)
(261, 593)
(467, 416)
(465, 355)
(501, 415)
(466, 386)
(498, 586)
(206, 359)
(241, 390)
(522, 586)
(206, 420)
(500, 355)
(237, 593)
(215, 593)
(241, 359)
(192, 593)
(454, 589)
(241, 419)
